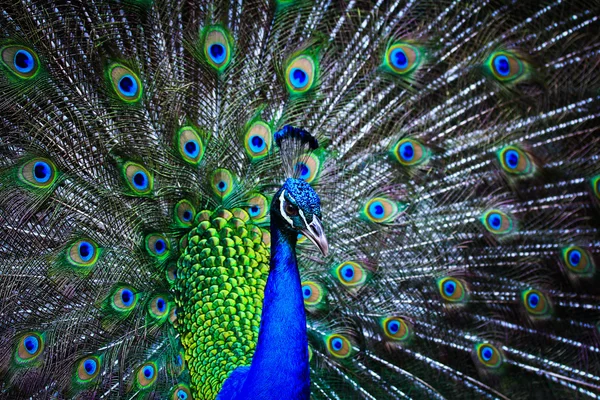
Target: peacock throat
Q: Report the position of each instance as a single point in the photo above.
(219, 292)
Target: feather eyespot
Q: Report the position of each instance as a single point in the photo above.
(578, 260)
(217, 48)
(29, 348)
(190, 145)
(181, 392)
(125, 83)
(338, 346)
(222, 183)
(21, 61)
(124, 299)
(157, 245)
(171, 273)
(410, 152)
(184, 213)
(313, 293)
(535, 302)
(350, 274)
(380, 210)
(139, 180)
(258, 140)
(506, 67)
(146, 375)
(452, 290)
(307, 167)
(403, 58)
(158, 308)
(83, 253)
(515, 161)
(396, 328)
(488, 355)
(497, 222)
(38, 172)
(258, 207)
(300, 74)
(87, 369)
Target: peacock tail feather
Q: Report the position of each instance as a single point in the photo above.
(458, 173)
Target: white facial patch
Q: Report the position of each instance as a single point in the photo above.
(303, 218)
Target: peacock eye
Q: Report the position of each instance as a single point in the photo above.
(125, 83)
(578, 260)
(39, 172)
(21, 61)
(87, 369)
(312, 292)
(488, 355)
(535, 302)
(217, 48)
(338, 346)
(29, 347)
(300, 74)
(146, 375)
(290, 209)
(181, 392)
(403, 58)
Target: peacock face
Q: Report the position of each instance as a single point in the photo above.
(299, 207)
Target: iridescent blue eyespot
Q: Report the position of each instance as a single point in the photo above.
(182, 395)
(502, 65)
(393, 326)
(306, 291)
(347, 273)
(179, 360)
(303, 170)
(376, 209)
(399, 59)
(42, 172)
(574, 257)
(24, 61)
(488, 356)
(495, 220)
(90, 366)
(191, 148)
(161, 305)
(128, 85)
(487, 353)
(407, 151)
(217, 52)
(127, 297)
(337, 344)
(298, 78)
(449, 288)
(533, 300)
(511, 157)
(31, 344)
(140, 180)
(257, 144)
(148, 372)
(254, 210)
(160, 246)
(187, 215)
(86, 251)
(452, 289)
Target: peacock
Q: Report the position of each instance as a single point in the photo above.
(299, 199)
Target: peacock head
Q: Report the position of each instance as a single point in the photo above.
(297, 208)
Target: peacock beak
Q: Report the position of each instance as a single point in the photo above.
(314, 231)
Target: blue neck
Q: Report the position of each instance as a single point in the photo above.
(280, 364)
